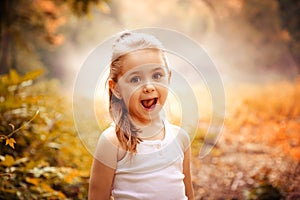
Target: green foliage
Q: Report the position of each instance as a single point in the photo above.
(41, 156)
(264, 191)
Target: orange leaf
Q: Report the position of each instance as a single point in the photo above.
(11, 142)
(34, 181)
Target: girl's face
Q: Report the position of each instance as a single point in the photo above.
(143, 84)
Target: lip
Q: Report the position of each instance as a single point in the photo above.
(153, 104)
(149, 98)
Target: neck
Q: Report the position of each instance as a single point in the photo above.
(151, 130)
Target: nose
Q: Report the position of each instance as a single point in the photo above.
(148, 88)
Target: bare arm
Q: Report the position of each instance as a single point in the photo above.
(101, 181)
(189, 191)
(104, 165)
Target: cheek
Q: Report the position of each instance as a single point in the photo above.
(164, 91)
(127, 91)
(131, 97)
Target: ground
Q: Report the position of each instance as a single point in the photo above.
(234, 167)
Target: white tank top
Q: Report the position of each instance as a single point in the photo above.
(154, 172)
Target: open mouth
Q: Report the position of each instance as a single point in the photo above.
(149, 103)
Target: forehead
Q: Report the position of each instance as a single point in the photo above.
(140, 58)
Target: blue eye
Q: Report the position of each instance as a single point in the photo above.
(157, 76)
(135, 79)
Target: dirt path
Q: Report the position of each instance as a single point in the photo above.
(235, 167)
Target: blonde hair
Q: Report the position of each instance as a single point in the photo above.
(125, 43)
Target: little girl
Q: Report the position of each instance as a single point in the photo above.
(141, 155)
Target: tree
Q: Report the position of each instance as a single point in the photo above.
(27, 26)
(290, 20)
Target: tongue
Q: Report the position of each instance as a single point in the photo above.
(148, 103)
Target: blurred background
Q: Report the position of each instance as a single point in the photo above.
(254, 44)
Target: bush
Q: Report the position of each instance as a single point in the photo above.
(41, 156)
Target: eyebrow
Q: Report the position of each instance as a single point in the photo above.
(133, 73)
(159, 68)
(138, 71)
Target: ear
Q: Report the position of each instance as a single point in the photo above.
(113, 86)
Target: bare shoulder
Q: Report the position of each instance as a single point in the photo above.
(178, 131)
(110, 135)
(107, 148)
(181, 135)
